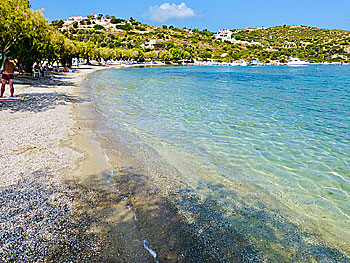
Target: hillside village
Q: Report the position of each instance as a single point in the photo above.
(129, 39)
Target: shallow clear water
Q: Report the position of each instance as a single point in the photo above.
(274, 140)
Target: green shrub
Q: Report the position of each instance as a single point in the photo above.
(140, 28)
(58, 23)
(99, 27)
(124, 27)
(117, 20)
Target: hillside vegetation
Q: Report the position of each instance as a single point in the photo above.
(117, 38)
(30, 38)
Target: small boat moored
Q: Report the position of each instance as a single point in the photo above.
(297, 62)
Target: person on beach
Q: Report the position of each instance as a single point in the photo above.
(7, 75)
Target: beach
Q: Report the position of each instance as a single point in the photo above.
(237, 167)
(76, 189)
(63, 198)
(37, 207)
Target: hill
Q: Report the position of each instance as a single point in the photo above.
(118, 38)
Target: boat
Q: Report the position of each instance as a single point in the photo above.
(297, 62)
(255, 62)
(243, 63)
(233, 63)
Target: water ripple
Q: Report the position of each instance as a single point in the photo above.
(283, 130)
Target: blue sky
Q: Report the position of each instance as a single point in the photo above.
(209, 14)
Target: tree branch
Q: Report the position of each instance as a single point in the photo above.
(10, 44)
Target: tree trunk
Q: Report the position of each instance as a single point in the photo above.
(28, 67)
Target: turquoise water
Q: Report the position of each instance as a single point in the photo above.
(268, 148)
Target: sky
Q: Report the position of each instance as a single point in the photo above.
(209, 14)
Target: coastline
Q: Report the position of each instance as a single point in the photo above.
(77, 196)
(129, 206)
(60, 200)
(139, 201)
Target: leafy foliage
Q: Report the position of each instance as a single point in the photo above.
(27, 35)
(124, 27)
(117, 20)
(98, 27)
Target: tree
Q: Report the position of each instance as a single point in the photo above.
(176, 53)
(58, 23)
(151, 55)
(98, 27)
(25, 33)
(117, 20)
(165, 56)
(86, 50)
(17, 21)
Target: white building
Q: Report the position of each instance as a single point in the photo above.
(224, 34)
(146, 46)
(149, 45)
(75, 18)
(102, 22)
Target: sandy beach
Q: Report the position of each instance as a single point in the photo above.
(64, 198)
(71, 192)
(37, 207)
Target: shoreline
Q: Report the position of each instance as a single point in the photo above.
(139, 217)
(76, 180)
(62, 200)
(42, 201)
(244, 251)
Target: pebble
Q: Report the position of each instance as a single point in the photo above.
(38, 219)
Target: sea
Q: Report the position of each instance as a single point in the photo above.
(260, 153)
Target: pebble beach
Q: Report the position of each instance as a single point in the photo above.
(39, 217)
(62, 200)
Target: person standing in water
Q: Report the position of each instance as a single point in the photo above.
(7, 75)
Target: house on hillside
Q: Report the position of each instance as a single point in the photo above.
(149, 45)
(102, 22)
(75, 18)
(224, 34)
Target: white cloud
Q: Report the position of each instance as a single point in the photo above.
(168, 11)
